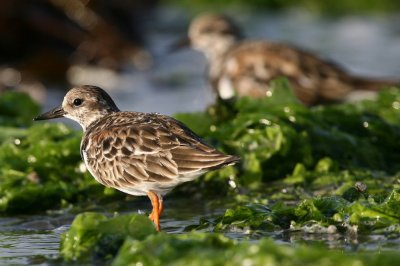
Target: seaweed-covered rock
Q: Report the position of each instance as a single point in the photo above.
(216, 249)
(365, 215)
(277, 137)
(132, 240)
(94, 237)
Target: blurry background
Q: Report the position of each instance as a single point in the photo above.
(46, 46)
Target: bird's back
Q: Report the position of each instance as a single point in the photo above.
(251, 65)
(135, 152)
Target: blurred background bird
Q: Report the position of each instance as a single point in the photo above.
(238, 67)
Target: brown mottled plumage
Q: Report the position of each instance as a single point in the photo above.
(244, 68)
(137, 153)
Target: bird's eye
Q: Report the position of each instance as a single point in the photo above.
(77, 102)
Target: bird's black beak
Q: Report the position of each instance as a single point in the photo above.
(179, 44)
(55, 113)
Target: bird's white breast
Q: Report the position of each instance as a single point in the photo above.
(86, 161)
(225, 88)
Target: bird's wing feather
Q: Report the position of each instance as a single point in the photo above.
(161, 151)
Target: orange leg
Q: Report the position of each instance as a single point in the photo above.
(161, 206)
(155, 213)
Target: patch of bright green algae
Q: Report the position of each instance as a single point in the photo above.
(40, 164)
(17, 109)
(329, 165)
(216, 249)
(333, 214)
(132, 240)
(94, 237)
(277, 137)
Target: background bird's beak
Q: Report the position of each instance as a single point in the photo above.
(55, 113)
(178, 45)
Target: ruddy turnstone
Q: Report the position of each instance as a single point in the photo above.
(244, 68)
(137, 153)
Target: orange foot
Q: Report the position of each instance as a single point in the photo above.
(157, 203)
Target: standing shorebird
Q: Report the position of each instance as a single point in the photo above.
(244, 68)
(137, 153)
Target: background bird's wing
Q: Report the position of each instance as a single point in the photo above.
(250, 66)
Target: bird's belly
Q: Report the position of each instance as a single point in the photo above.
(144, 187)
(225, 88)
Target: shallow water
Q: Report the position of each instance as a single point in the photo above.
(24, 237)
(365, 45)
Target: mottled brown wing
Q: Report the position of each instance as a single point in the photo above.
(161, 151)
(252, 65)
(193, 155)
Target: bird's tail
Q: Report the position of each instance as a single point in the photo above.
(232, 160)
(229, 160)
(368, 84)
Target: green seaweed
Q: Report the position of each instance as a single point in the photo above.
(366, 215)
(132, 240)
(215, 249)
(273, 136)
(334, 168)
(278, 138)
(94, 237)
(17, 109)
